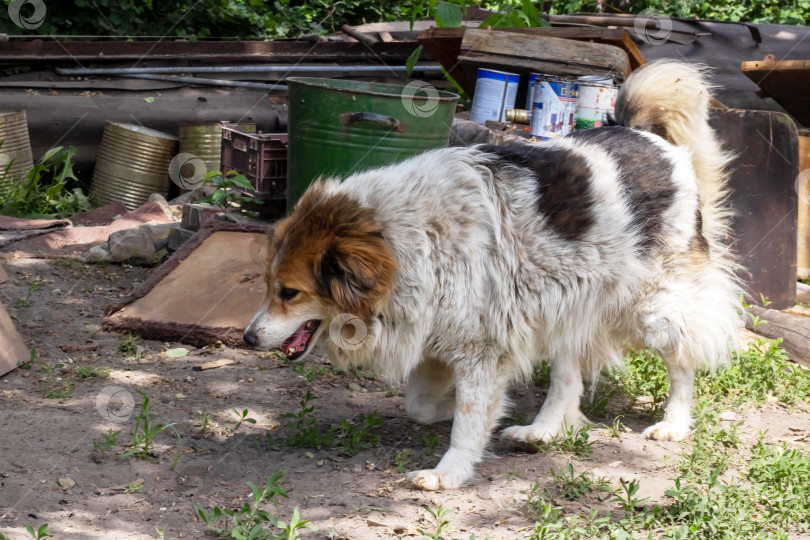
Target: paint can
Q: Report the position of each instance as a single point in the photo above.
(495, 91)
(597, 99)
(554, 107)
(533, 78)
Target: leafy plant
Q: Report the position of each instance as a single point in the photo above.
(572, 487)
(145, 431)
(439, 515)
(106, 441)
(129, 343)
(356, 436)
(242, 417)
(575, 441)
(403, 460)
(54, 387)
(231, 193)
(91, 372)
(26, 301)
(304, 431)
(250, 521)
(43, 193)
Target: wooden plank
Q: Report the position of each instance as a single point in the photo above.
(618, 37)
(3, 274)
(786, 82)
(444, 44)
(794, 329)
(522, 51)
(13, 350)
(213, 365)
(525, 65)
(42, 51)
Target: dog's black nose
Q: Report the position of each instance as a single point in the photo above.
(250, 337)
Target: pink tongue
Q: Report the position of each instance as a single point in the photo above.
(300, 337)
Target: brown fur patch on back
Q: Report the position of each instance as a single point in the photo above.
(333, 248)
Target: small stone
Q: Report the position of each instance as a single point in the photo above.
(629, 478)
(615, 464)
(354, 387)
(180, 396)
(66, 483)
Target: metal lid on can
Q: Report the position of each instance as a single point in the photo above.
(596, 80)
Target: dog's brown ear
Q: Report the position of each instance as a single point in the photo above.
(356, 272)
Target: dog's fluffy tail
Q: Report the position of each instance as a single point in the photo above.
(671, 99)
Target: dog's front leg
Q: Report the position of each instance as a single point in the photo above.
(478, 391)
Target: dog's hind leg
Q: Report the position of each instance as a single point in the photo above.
(428, 397)
(480, 393)
(665, 337)
(560, 410)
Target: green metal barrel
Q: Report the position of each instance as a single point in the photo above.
(338, 127)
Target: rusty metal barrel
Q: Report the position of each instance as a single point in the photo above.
(205, 141)
(16, 147)
(132, 163)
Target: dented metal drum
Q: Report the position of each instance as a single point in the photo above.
(15, 152)
(205, 141)
(132, 163)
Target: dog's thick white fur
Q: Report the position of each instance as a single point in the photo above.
(460, 269)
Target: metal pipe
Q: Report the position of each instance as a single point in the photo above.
(249, 69)
(209, 82)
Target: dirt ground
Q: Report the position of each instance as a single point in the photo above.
(43, 440)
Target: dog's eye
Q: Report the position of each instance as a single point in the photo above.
(287, 294)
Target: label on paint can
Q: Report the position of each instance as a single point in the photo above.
(597, 99)
(495, 91)
(533, 78)
(554, 107)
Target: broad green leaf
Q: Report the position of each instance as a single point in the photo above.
(449, 15)
(412, 60)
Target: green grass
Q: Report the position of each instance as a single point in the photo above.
(92, 372)
(720, 490)
(251, 521)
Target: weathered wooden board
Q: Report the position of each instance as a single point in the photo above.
(13, 350)
(786, 82)
(543, 54)
(764, 200)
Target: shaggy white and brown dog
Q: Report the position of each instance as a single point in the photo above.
(460, 269)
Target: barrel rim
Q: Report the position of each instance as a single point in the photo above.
(323, 83)
(142, 130)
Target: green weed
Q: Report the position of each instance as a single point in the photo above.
(357, 436)
(54, 387)
(304, 432)
(439, 515)
(106, 441)
(575, 441)
(242, 417)
(92, 372)
(250, 521)
(129, 343)
(572, 487)
(145, 431)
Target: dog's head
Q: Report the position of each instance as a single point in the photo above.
(328, 258)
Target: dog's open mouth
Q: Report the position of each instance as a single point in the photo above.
(295, 345)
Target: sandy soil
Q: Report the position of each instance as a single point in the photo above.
(359, 497)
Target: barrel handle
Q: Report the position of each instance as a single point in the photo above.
(348, 119)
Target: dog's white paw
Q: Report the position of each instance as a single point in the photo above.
(531, 434)
(433, 480)
(667, 431)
